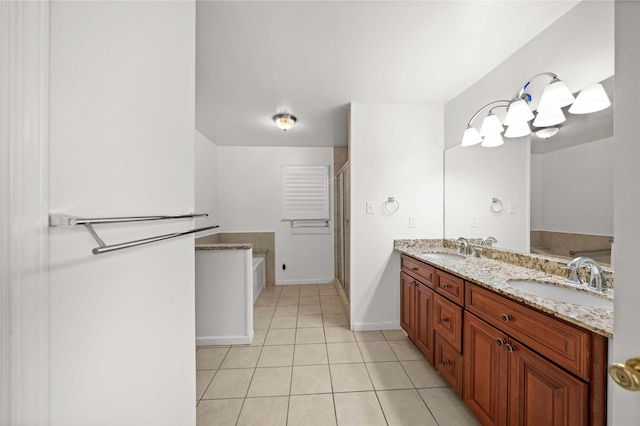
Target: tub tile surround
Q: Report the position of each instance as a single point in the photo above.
(497, 266)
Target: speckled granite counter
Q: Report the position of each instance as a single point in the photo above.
(494, 275)
(231, 246)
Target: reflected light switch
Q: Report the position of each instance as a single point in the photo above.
(513, 208)
(412, 221)
(369, 207)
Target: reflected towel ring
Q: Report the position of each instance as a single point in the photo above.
(496, 206)
(391, 205)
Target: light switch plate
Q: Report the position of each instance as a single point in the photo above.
(513, 208)
(369, 207)
(412, 221)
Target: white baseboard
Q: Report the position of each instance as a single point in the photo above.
(311, 281)
(370, 326)
(224, 340)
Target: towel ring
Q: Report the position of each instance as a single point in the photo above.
(496, 206)
(391, 205)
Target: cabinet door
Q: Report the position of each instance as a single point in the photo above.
(448, 321)
(542, 394)
(407, 304)
(424, 321)
(485, 371)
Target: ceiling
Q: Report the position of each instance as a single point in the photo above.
(313, 58)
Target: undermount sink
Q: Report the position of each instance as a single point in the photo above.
(562, 294)
(442, 256)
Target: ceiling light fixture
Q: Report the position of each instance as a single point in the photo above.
(556, 95)
(547, 132)
(284, 121)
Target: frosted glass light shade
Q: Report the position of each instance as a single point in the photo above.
(518, 111)
(549, 117)
(491, 125)
(284, 121)
(547, 132)
(518, 129)
(492, 140)
(556, 95)
(591, 99)
(471, 137)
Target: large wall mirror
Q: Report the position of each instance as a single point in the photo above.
(550, 196)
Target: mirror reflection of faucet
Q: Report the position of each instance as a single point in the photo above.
(596, 277)
(465, 247)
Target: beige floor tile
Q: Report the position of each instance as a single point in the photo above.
(264, 302)
(406, 350)
(293, 292)
(309, 300)
(311, 410)
(271, 292)
(306, 292)
(423, 374)
(358, 409)
(335, 320)
(369, 336)
(388, 375)
(245, 357)
(332, 309)
(203, 378)
(342, 353)
(310, 379)
(282, 311)
(210, 358)
(327, 291)
(229, 384)
(338, 334)
(309, 321)
(288, 301)
(376, 351)
(350, 378)
(274, 381)
(276, 356)
(330, 300)
(309, 310)
(261, 323)
(263, 311)
(280, 337)
(310, 354)
(309, 335)
(258, 337)
(284, 322)
(394, 334)
(264, 411)
(447, 407)
(219, 412)
(406, 408)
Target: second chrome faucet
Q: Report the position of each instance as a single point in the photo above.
(596, 277)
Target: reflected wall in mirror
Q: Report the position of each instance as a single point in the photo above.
(549, 188)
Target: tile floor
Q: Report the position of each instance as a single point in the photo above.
(305, 367)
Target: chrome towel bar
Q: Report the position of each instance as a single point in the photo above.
(56, 220)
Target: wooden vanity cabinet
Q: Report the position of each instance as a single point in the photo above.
(416, 304)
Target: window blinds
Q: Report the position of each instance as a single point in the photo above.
(305, 193)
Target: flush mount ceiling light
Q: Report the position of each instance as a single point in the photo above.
(556, 95)
(284, 121)
(547, 132)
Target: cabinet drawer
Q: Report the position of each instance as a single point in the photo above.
(448, 362)
(447, 321)
(419, 270)
(450, 286)
(559, 341)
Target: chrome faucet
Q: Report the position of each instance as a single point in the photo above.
(596, 277)
(465, 247)
(484, 243)
(486, 240)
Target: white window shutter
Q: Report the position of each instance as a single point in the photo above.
(305, 193)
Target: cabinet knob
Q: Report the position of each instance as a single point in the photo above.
(500, 342)
(505, 317)
(414, 268)
(509, 348)
(627, 375)
(445, 362)
(445, 285)
(444, 319)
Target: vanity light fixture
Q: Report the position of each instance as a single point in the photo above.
(556, 95)
(284, 121)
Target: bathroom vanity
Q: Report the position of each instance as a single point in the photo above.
(514, 358)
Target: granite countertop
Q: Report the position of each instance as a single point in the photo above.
(229, 246)
(494, 274)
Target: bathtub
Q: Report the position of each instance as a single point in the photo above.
(258, 278)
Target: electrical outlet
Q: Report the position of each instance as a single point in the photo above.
(369, 207)
(474, 222)
(412, 221)
(513, 208)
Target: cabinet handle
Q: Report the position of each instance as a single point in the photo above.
(509, 348)
(445, 285)
(445, 362)
(506, 317)
(414, 269)
(415, 284)
(444, 319)
(500, 342)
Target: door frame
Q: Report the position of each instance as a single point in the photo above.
(24, 136)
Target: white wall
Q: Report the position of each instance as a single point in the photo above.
(575, 196)
(122, 143)
(473, 177)
(396, 151)
(250, 199)
(206, 195)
